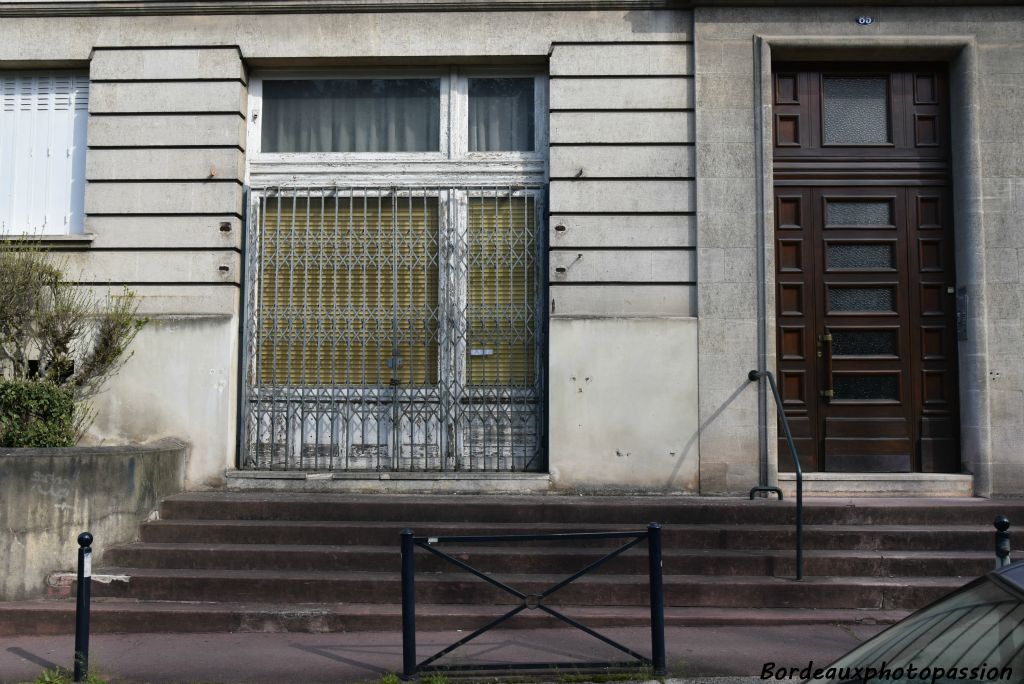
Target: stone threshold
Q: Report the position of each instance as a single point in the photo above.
(394, 482)
(941, 485)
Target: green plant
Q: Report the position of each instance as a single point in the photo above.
(61, 676)
(435, 678)
(36, 414)
(389, 678)
(55, 334)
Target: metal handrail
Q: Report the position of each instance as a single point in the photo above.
(753, 376)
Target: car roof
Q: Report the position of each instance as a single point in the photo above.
(1013, 573)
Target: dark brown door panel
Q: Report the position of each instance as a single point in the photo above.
(864, 268)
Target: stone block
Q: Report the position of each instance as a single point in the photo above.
(167, 130)
(164, 97)
(205, 266)
(176, 232)
(1005, 300)
(622, 60)
(726, 160)
(165, 164)
(728, 300)
(726, 124)
(1006, 409)
(635, 265)
(642, 196)
(622, 161)
(623, 301)
(164, 198)
(1001, 266)
(718, 91)
(160, 63)
(635, 92)
(583, 230)
(726, 229)
(727, 265)
(729, 195)
(1003, 159)
(621, 127)
(173, 300)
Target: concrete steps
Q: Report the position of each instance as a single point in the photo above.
(719, 562)
(884, 593)
(328, 562)
(47, 617)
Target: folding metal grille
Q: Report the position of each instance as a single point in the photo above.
(393, 329)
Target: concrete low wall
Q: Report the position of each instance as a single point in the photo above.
(49, 496)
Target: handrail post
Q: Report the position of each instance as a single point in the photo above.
(657, 599)
(753, 376)
(408, 606)
(81, 670)
(1002, 525)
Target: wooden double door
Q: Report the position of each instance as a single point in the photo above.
(865, 285)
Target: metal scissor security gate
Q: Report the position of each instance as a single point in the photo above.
(393, 329)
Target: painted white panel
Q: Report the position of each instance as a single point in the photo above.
(43, 122)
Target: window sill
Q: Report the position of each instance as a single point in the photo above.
(76, 240)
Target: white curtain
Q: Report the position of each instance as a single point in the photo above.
(351, 115)
(500, 114)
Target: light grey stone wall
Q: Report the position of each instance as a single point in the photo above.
(622, 167)
(165, 170)
(166, 167)
(983, 47)
(623, 266)
(53, 495)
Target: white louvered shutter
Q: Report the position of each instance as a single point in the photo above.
(43, 119)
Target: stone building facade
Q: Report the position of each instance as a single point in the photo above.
(577, 305)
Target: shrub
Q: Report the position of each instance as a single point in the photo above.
(56, 342)
(36, 414)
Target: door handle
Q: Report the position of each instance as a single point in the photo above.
(825, 350)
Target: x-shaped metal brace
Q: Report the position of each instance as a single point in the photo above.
(531, 601)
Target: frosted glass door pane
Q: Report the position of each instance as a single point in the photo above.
(866, 387)
(864, 343)
(852, 257)
(856, 110)
(861, 299)
(500, 114)
(852, 214)
(352, 115)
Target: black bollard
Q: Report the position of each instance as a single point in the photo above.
(657, 600)
(1002, 524)
(82, 607)
(408, 606)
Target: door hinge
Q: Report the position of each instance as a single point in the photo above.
(828, 394)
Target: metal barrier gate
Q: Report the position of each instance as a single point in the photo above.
(393, 329)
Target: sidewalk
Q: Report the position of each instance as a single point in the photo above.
(294, 658)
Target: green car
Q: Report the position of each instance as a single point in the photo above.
(974, 635)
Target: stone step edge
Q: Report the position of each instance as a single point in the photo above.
(214, 547)
(57, 617)
(108, 575)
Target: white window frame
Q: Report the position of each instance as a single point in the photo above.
(452, 164)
